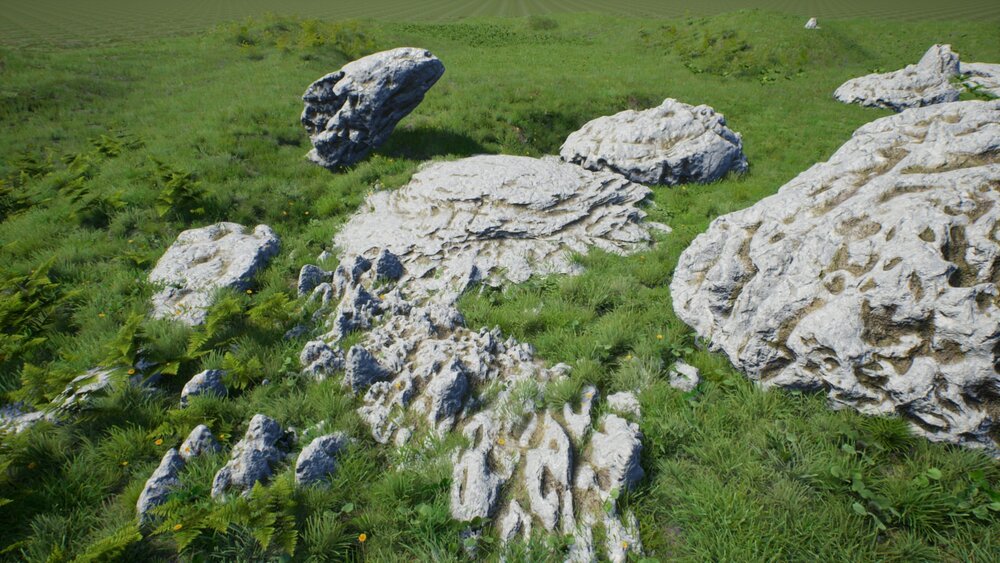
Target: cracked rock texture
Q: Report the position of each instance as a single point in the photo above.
(925, 83)
(208, 382)
(674, 143)
(199, 441)
(873, 275)
(253, 458)
(163, 480)
(352, 111)
(318, 460)
(495, 218)
(203, 260)
(982, 75)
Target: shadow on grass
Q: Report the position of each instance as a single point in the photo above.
(423, 143)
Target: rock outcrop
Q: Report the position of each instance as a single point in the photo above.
(318, 460)
(983, 77)
(163, 480)
(495, 218)
(873, 276)
(208, 382)
(925, 83)
(203, 260)
(672, 144)
(254, 457)
(199, 441)
(352, 111)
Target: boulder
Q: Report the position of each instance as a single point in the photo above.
(496, 218)
(199, 441)
(672, 144)
(208, 382)
(352, 111)
(253, 458)
(318, 460)
(872, 276)
(310, 277)
(362, 370)
(982, 77)
(926, 83)
(615, 454)
(683, 376)
(160, 484)
(812, 24)
(319, 360)
(203, 260)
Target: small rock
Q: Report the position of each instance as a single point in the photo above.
(208, 382)
(684, 377)
(318, 460)
(812, 24)
(388, 266)
(515, 522)
(311, 276)
(577, 423)
(447, 391)
(547, 473)
(362, 370)
(350, 112)
(476, 479)
(253, 457)
(81, 388)
(199, 441)
(982, 76)
(16, 418)
(355, 312)
(320, 360)
(163, 480)
(615, 454)
(625, 403)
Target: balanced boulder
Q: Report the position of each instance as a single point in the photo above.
(873, 276)
(925, 83)
(674, 143)
(203, 260)
(352, 111)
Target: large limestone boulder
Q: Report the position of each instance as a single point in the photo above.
(983, 77)
(353, 110)
(925, 83)
(491, 218)
(674, 143)
(253, 458)
(203, 260)
(872, 276)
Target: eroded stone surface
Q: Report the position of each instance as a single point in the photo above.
(16, 418)
(199, 441)
(253, 458)
(812, 24)
(626, 403)
(872, 275)
(674, 143)
(925, 83)
(616, 450)
(203, 260)
(318, 460)
(354, 110)
(982, 76)
(208, 382)
(163, 480)
(684, 376)
(496, 218)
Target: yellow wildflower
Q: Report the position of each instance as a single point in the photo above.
(659, 337)
(249, 292)
(32, 465)
(362, 537)
(624, 545)
(177, 527)
(131, 371)
(159, 442)
(100, 315)
(501, 441)
(124, 463)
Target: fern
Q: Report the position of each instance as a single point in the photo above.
(180, 192)
(111, 546)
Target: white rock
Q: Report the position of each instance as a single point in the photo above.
(310, 277)
(318, 460)
(684, 376)
(16, 418)
(616, 450)
(621, 538)
(199, 441)
(203, 260)
(496, 217)
(925, 83)
(548, 473)
(160, 484)
(319, 360)
(475, 484)
(674, 143)
(253, 458)
(625, 403)
(208, 382)
(812, 24)
(984, 76)
(872, 275)
(577, 423)
(353, 110)
(515, 522)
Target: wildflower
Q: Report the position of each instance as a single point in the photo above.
(399, 385)
(177, 527)
(642, 258)
(124, 463)
(659, 337)
(130, 241)
(501, 441)
(100, 315)
(32, 465)
(249, 292)
(131, 371)
(285, 213)
(628, 357)
(159, 441)
(625, 545)
(307, 213)
(362, 537)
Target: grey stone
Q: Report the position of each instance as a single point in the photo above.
(983, 77)
(208, 382)
(812, 24)
(355, 312)
(253, 458)
(352, 111)
(388, 266)
(926, 83)
(684, 376)
(870, 276)
(625, 403)
(198, 442)
(203, 260)
(547, 476)
(319, 360)
(497, 217)
(311, 276)
(578, 422)
(95, 381)
(362, 369)
(17, 417)
(515, 522)
(621, 538)
(616, 451)
(672, 144)
(318, 460)
(447, 391)
(160, 484)
(476, 483)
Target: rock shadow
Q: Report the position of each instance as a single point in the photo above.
(423, 143)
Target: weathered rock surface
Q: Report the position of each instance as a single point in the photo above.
(16, 418)
(310, 277)
(872, 275)
(199, 441)
(812, 24)
(615, 456)
(83, 387)
(319, 360)
(208, 382)
(495, 218)
(363, 370)
(203, 260)
(625, 403)
(318, 460)
(163, 480)
(253, 458)
(548, 474)
(354, 110)
(674, 143)
(926, 83)
(982, 76)
(684, 376)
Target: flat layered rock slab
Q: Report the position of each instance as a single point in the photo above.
(203, 260)
(926, 83)
(873, 275)
(674, 143)
(495, 218)
(352, 111)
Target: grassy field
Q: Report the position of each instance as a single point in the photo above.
(62, 22)
(108, 151)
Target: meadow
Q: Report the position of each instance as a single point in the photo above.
(108, 151)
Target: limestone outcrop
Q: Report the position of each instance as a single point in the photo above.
(253, 458)
(926, 83)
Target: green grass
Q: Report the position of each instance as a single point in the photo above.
(107, 152)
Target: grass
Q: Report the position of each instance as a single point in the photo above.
(107, 152)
